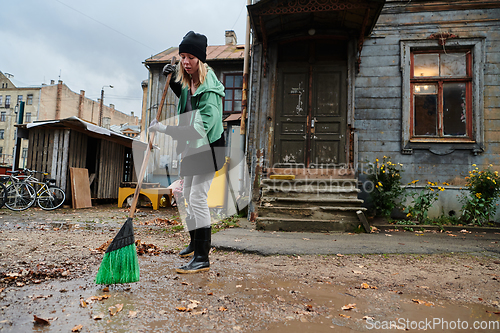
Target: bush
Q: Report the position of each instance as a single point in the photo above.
(422, 201)
(387, 191)
(483, 190)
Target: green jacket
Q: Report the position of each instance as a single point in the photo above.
(207, 101)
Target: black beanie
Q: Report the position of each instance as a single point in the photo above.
(195, 44)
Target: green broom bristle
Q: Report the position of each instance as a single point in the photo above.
(119, 266)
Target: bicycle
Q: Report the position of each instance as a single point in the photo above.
(19, 195)
(48, 195)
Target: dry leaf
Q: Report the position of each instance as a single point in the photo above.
(77, 328)
(105, 289)
(305, 238)
(115, 309)
(181, 309)
(368, 318)
(365, 286)
(349, 306)
(222, 309)
(200, 312)
(343, 315)
(357, 272)
(132, 314)
(339, 255)
(41, 321)
(98, 316)
(83, 304)
(418, 301)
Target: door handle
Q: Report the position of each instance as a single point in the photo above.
(313, 121)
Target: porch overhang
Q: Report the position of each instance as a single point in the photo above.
(277, 18)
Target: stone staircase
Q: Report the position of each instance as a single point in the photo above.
(314, 205)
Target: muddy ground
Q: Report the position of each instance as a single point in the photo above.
(48, 261)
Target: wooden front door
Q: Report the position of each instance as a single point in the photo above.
(311, 113)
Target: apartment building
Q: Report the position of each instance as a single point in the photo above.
(52, 101)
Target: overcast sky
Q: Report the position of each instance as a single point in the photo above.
(94, 43)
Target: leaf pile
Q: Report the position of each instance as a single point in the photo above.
(141, 248)
(150, 249)
(26, 276)
(159, 222)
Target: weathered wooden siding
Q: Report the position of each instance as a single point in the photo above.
(111, 162)
(378, 91)
(48, 152)
(77, 154)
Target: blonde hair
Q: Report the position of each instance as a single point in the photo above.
(185, 78)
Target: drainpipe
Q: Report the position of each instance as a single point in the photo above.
(58, 99)
(244, 101)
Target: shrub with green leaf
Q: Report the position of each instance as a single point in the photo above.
(483, 190)
(387, 190)
(422, 201)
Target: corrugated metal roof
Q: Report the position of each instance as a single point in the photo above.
(214, 53)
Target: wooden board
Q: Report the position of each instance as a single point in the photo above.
(80, 188)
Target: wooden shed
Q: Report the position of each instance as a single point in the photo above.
(56, 146)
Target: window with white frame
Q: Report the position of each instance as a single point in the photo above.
(442, 94)
(2, 134)
(3, 116)
(7, 101)
(19, 99)
(27, 117)
(29, 99)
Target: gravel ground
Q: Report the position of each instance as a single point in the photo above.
(48, 261)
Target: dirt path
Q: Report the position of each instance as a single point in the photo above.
(48, 261)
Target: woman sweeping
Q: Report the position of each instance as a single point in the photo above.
(200, 140)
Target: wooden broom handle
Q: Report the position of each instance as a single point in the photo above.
(150, 147)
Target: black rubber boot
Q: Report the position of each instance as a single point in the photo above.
(188, 251)
(200, 261)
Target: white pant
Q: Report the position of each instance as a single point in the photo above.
(196, 192)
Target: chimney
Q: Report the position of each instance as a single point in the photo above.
(112, 106)
(230, 37)
(132, 113)
(80, 104)
(52, 82)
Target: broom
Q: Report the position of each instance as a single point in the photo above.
(119, 263)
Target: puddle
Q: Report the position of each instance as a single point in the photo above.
(231, 299)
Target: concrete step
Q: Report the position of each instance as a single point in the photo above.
(312, 183)
(310, 188)
(307, 225)
(288, 201)
(314, 213)
(340, 194)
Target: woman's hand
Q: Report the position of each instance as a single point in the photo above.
(168, 69)
(156, 126)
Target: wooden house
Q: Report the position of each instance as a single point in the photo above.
(55, 146)
(335, 84)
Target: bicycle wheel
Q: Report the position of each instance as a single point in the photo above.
(3, 194)
(51, 198)
(20, 196)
